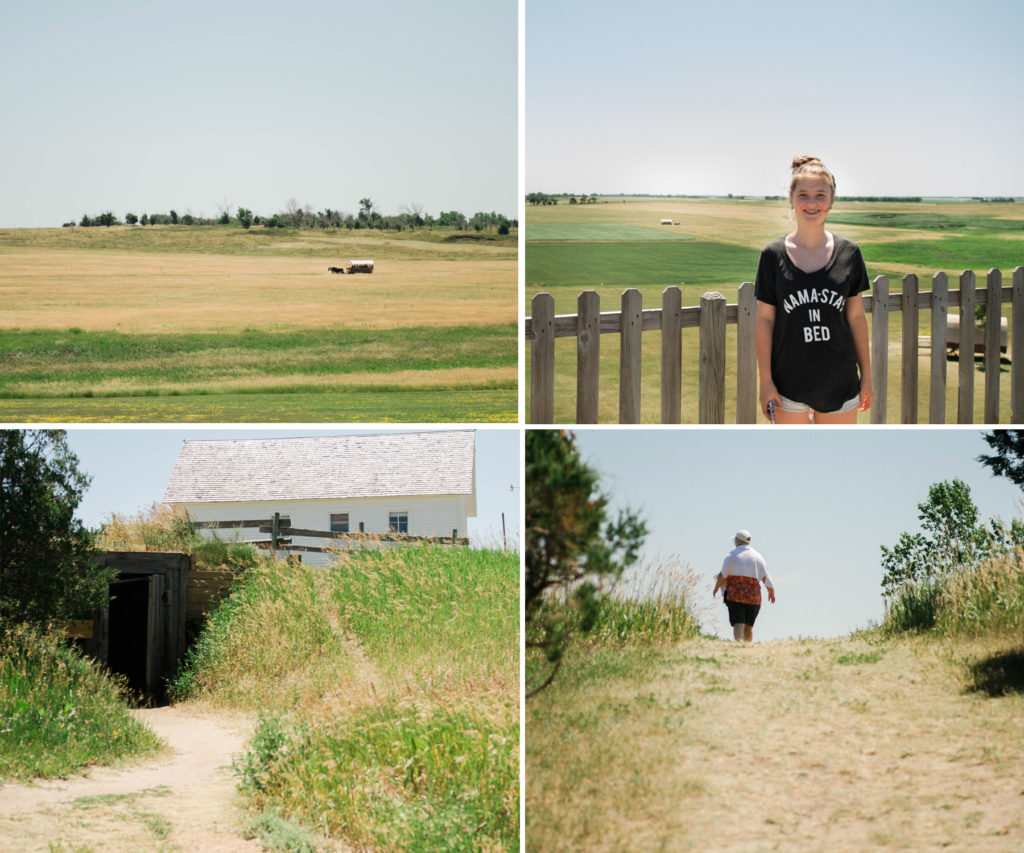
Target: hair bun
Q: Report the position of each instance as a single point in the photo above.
(799, 162)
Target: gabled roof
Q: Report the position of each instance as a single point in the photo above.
(315, 467)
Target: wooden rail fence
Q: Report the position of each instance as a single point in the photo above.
(712, 317)
(281, 533)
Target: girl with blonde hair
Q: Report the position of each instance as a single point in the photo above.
(811, 333)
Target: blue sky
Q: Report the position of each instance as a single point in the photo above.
(818, 503)
(130, 467)
(898, 98)
(138, 107)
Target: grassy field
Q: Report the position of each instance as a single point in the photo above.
(104, 324)
(618, 243)
(389, 695)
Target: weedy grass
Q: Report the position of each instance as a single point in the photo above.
(394, 779)
(388, 687)
(58, 711)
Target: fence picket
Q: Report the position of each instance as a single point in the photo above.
(965, 392)
(671, 355)
(542, 366)
(908, 360)
(880, 348)
(746, 355)
(629, 358)
(1017, 349)
(940, 326)
(711, 401)
(588, 356)
(993, 313)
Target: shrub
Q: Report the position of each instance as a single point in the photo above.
(58, 710)
(969, 599)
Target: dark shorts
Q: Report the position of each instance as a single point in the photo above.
(742, 614)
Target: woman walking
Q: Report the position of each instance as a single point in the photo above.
(811, 331)
(743, 572)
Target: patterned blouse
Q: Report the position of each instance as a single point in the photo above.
(743, 590)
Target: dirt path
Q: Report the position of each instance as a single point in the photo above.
(787, 745)
(184, 799)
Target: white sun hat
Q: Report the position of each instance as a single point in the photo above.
(742, 536)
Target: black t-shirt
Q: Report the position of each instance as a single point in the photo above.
(813, 358)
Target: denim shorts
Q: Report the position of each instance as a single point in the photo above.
(793, 406)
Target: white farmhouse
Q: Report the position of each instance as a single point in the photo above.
(415, 483)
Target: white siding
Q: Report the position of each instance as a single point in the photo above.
(428, 516)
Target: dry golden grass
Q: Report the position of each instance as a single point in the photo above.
(149, 292)
(742, 222)
(839, 745)
(251, 380)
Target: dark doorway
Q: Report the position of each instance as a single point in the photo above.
(130, 630)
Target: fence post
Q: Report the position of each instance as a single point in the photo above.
(940, 326)
(993, 311)
(629, 359)
(965, 393)
(879, 347)
(1017, 349)
(275, 531)
(746, 355)
(588, 355)
(712, 358)
(542, 365)
(671, 355)
(908, 351)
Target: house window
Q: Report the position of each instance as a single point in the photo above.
(398, 522)
(339, 522)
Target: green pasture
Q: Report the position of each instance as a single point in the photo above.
(381, 404)
(556, 266)
(255, 375)
(967, 236)
(950, 254)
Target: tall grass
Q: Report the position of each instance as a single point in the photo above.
(446, 616)
(269, 645)
(654, 602)
(58, 711)
(967, 600)
(162, 527)
(389, 692)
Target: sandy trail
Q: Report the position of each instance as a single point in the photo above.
(836, 745)
(183, 799)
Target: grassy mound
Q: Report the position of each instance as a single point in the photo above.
(389, 694)
(58, 711)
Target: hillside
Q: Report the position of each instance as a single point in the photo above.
(847, 744)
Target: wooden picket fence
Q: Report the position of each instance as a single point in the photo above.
(712, 317)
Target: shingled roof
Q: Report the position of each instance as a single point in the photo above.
(314, 467)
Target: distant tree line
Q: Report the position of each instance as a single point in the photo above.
(410, 217)
(573, 198)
